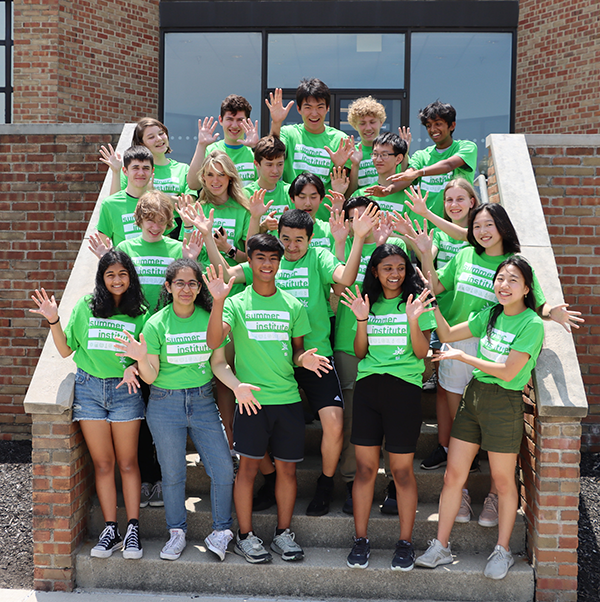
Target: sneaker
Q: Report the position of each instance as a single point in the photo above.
(430, 385)
(435, 555)
(390, 505)
(359, 555)
(286, 546)
(475, 464)
(156, 499)
(489, 514)
(404, 556)
(252, 549)
(109, 541)
(176, 544)
(348, 506)
(217, 542)
(132, 547)
(499, 561)
(265, 497)
(145, 494)
(464, 512)
(319, 505)
(437, 458)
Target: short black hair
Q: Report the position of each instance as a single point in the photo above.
(510, 239)
(267, 243)
(314, 88)
(357, 201)
(269, 148)
(296, 218)
(137, 153)
(438, 109)
(398, 145)
(301, 180)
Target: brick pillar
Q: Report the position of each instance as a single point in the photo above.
(62, 485)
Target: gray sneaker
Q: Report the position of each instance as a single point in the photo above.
(251, 549)
(286, 546)
(145, 494)
(217, 542)
(499, 561)
(156, 499)
(435, 555)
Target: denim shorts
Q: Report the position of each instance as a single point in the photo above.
(99, 399)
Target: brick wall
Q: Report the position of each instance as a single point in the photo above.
(558, 67)
(49, 184)
(85, 61)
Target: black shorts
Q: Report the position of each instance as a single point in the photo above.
(321, 392)
(281, 427)
(386, 406)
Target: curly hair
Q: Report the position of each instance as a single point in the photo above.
(203, 298)
(366, 106)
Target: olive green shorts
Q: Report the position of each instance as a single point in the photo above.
(491, 417)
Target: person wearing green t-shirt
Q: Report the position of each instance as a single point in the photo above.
(174, 358)
(490, 417)
(239, 137)
(311, 146)
(116, 222)
(436, 165)
(269, 324)
(391, 341)
(107, 411)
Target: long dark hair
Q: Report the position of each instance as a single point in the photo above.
(412, 284)
(132, 303)
(527, 272)
(203, 299)
(510, 240)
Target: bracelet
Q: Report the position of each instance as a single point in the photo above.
(365, 320)
(186, 229)
(423, 172)
(53, 323)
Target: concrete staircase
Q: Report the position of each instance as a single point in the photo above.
(326, 541)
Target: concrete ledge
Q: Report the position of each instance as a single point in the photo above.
(577, 140)
(63, 129)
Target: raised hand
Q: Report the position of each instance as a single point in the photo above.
(130, 379)
(246, 400)
(426, 281)
(216, 284)
(256, 203)
(270, 222)
(402, 225)
(206, 131)
(357, 154)
(46, 306)
(339, 180)
(419, 202)
(366, 222)
(221, 240)
(99, 245)
(275, 106)
(129, 347)
(418, 306)
(567, 318)
(337, 201)
(181, 203)
(378, 191)
(110, 157)
(405, 135)
(197, 218)
(360, 307)
(315, 363)
(343, 153)
(420, 238)
(192, 247)
(384, 229)
(338, 226)
(251, 131)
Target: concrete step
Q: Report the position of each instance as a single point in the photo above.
(322, 574)
(335, 529)
(429, 482)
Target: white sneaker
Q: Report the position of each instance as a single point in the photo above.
(499, 561)
(286, 546)
(464, 512)
(217, 542)
(435, 555)
(176, 544)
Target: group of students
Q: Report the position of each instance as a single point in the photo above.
(232, 293)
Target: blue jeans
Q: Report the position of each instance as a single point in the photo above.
(171, 415)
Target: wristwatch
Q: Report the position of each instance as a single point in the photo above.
(231, 253)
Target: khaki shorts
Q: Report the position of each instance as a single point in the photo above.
(491, 417)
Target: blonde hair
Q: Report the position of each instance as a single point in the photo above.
(365, 107)
(466, 186)
(234, 189)
(152, 204)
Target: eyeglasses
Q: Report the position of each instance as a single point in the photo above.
(382, 155)
(193, 285)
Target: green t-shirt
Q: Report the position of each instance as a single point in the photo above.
(151, 260)
(263, 328)
(469, 280)
(306, 152)
(392, 202)
(367, 174)
(390, 349)
(116, 217)
(93, 339)
(170, 179)
(435, 185)
(242, 157)
(308, 280)
(523, 332)
(345, 321)
(181, 346)
(322, 237)
(279, 195)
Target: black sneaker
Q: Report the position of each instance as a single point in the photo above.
(390, 505)
(132, 547)
(359, 556)
(404, 556)
(319, 506)
(109, 541)
(475, 464)
(430, 385)
(438, 458)
(348, 506)
(265, 497)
